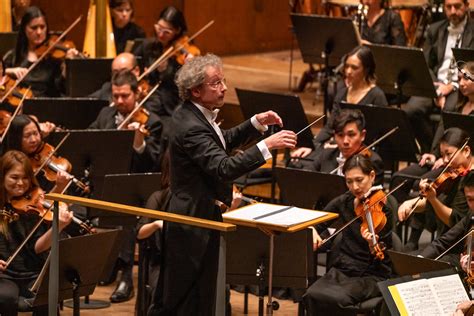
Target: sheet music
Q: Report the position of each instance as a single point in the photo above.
(277, 214)
(437, 296)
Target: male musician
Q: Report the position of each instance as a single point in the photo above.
(455, 31)
(202, 169)
(145, 159)
(349, 134)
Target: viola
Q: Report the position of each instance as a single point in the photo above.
(373, 219)
(59, 50)
(185, 48)
(17, 94)
(32, 203)
(45, 160)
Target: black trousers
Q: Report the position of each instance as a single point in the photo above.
(10, 291)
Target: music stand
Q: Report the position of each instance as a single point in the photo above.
(249, 265)
(463, 54)
(404, 71)
(294, 184)
(7, 42)
(84, 76)
(325, 40)
(129, 189)
(69, 113)
(379, 120)
(464, 122)
(78, 273)
(96, 151)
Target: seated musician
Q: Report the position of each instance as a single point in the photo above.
(446, 206)
(126, 61)
(124, 27)
(381, 25)
(17, 178)
(361, 88)
(441, 37)
(455, 233)
(349, 135)
(47, 78)
(124, 94)
(355, 271)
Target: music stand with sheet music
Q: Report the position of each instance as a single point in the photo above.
(325, 40)
(464, 122)
(308, 189)
(80, 267)
(404, 71)
(69, 113)
(100, 152)
(248, 265)
(288, 107)
(129, 189)
(7, 42)
(85, 76)
(400, 146)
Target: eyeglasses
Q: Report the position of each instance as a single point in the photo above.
(216, 84)
(162, 30)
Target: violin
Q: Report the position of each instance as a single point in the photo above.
(30, 204)
(373, 219)
(185, 48)
(470, 274)
(59, 50)
(18, 93)
(45, 160)
(446, 179)
(5, 118)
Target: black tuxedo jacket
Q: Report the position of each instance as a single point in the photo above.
(149, 159)
(436, 39)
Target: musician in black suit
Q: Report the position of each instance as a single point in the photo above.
(202, 170)
(145, 158)
(455, 31)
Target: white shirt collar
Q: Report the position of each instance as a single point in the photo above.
(208, 114)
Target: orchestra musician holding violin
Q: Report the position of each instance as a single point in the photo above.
(444, 203)
(124, 28)
(358, 264)
(46, 79)
(170, 28)
(18, 181)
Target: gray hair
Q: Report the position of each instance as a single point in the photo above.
(193, 73)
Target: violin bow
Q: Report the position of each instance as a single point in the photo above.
(456, 243)
(41, 58)
(381, 138)
(359, 216)
(130, 115)
(51, 154)
(415, 204)
(17, 111)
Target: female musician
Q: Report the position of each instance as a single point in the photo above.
(449, 206)
(124, 29)
(46, 79)
(355, 271)
(16, 181)
(381, 25)
(25, 135)
(360, 88)
(170, 27)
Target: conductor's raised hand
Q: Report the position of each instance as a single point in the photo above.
(280, 140)
(269, 118)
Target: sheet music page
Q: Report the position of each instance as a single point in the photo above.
(416, 298)
(449, 291)
(277, 214)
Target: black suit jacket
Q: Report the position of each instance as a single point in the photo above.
(436, 39)
(326, 162)
(149, 159)
(201, 172)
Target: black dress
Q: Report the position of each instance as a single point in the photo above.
(354, 274)
(388, 29)
(129, 32)
(45, 79)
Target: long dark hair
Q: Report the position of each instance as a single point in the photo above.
(367, 59)
(14, 137)
(21, 51)
(358, 161)
(454, 136)
(176, 18)
(8, 161)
